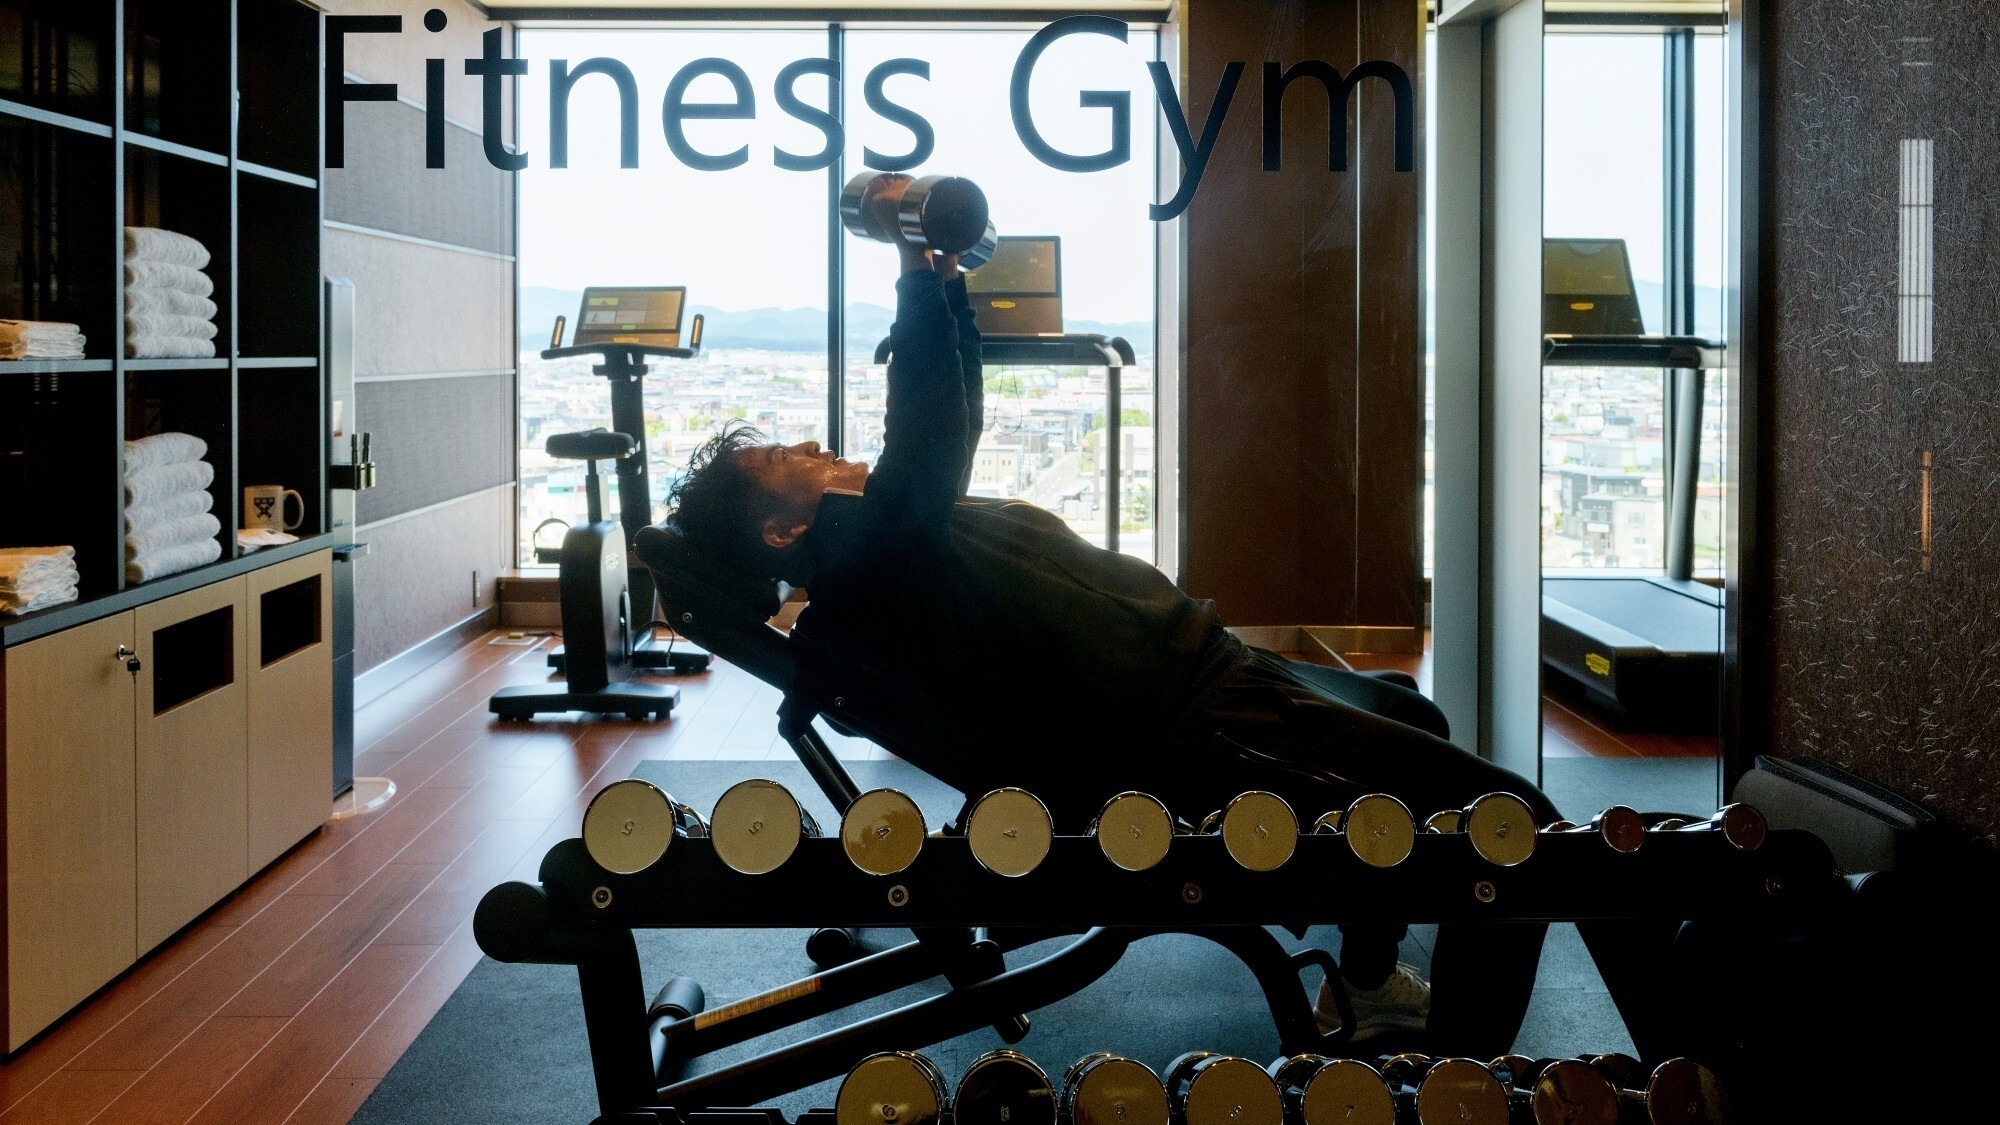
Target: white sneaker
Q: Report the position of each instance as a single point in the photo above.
(1402, 1004)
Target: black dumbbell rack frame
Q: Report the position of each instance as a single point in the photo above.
(1629, 908)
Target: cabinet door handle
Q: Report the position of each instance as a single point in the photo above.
(130, 658)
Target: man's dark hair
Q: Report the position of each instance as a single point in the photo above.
(720, 507)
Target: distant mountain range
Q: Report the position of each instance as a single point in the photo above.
(770, 329)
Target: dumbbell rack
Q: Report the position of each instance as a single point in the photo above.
(1628, 907)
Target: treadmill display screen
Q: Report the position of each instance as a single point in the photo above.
(631, 315)
(1022, 266)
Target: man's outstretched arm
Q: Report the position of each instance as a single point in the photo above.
(925, 454)
(972, 368)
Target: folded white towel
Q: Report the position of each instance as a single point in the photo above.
(39, 339)
(19, 564)
(41, 351)
(59, 582)
(151, 244)
(163, 449)
(139, 517)
(37, 330)
(173, 533)
(138, 326)
(168, 347)
(253, 538)
(14, 604)
(166, 275)
(148, 485)
(172, 560)
(144, 299)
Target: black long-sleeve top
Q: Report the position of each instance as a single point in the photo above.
(1039, 643)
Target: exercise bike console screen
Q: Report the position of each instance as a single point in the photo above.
(631, 314)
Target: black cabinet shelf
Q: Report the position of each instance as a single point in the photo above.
(178, 71)
(190, 152)
(62, 57)
(283, 177)
(174, 365)
(186, 133)
(53, 366)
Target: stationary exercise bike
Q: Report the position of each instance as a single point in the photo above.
(598, 586)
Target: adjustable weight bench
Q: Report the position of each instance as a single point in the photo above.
(583, 915)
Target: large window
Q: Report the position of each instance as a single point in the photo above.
(1612, 152)
(751, 246)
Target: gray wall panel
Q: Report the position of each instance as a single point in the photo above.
(442, 444)
(435, 440)
(420, 310)
(417, 577)
(385, 186)
(400, 58)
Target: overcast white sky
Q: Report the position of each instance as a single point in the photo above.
(752, 236)
(1602, 132)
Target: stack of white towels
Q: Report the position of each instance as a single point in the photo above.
(168, 313)
(34, 578)
(39, 339)
(168, 526)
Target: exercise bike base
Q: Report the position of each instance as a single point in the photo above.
(685, 659)
(635, 701)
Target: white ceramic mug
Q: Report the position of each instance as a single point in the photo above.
(264, 508)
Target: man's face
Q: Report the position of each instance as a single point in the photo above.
(800, 474)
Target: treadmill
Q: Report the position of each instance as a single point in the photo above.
(1645, 647)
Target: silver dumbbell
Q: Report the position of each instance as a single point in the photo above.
(947, 214)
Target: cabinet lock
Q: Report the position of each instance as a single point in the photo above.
(130, 658)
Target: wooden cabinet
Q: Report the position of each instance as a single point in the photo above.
(290, 722)
(71, 798)
(154, 760)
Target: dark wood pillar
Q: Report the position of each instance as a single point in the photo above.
(1303, 369)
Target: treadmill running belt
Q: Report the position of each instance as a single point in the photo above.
(1673, 621)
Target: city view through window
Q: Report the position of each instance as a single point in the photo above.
(756, 264)
(1603, 465)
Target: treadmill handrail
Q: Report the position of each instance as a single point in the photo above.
(1088, 348)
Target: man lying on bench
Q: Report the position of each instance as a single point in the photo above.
(1082, 672)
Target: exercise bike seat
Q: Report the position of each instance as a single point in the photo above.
(591, 445)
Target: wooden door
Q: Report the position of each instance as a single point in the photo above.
(290, 701)
(190, 726)
(70, 817)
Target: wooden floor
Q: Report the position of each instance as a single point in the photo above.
(290, 1001)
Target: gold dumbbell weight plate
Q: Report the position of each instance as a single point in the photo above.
(1461, 1090)
(1346, 1092)
(1010, 831)
(1134, 830)
(1377, 827)
(882, 832)
(1258, 828)
(629, 826)
(891, 1088)
(1105, 1089)
(756, 826)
